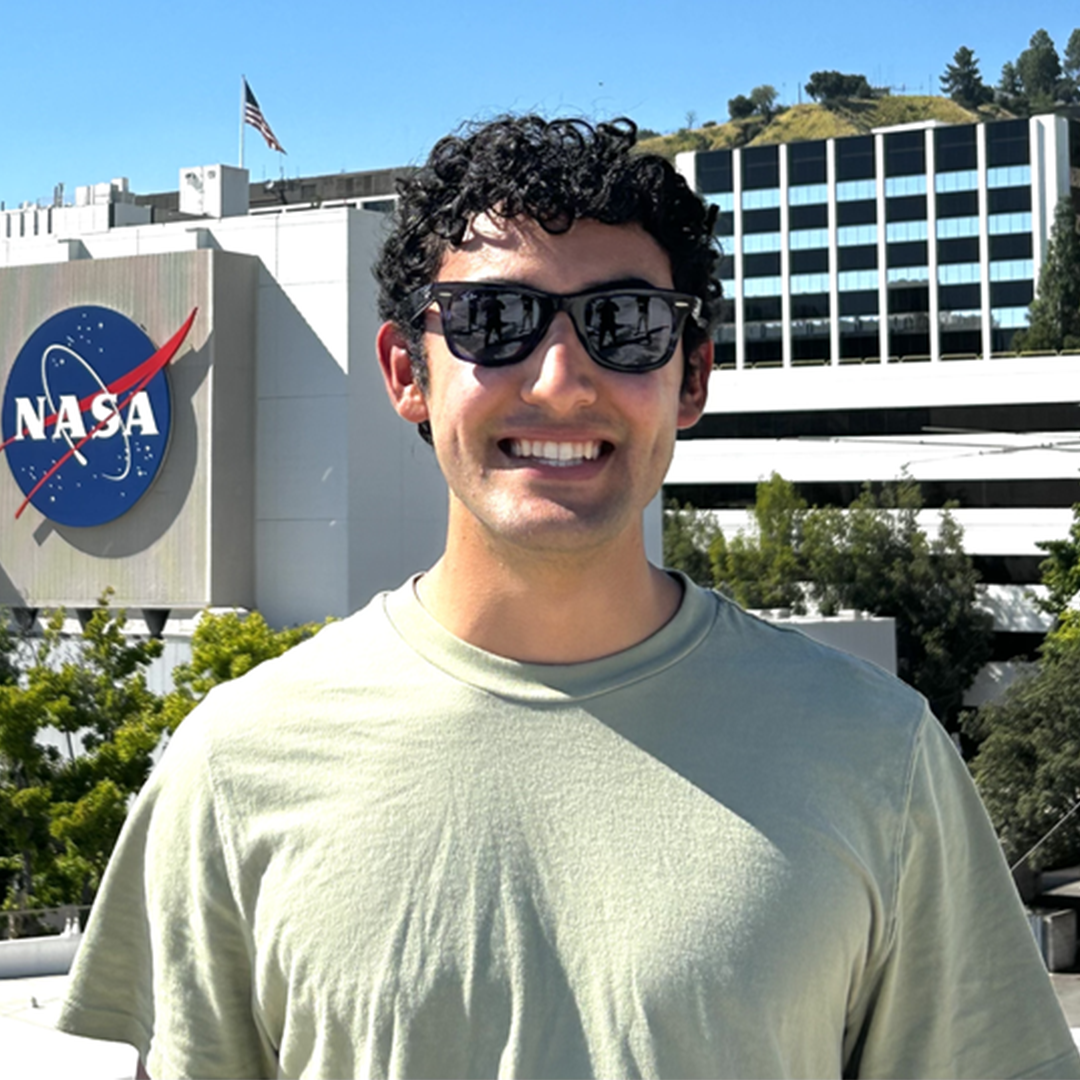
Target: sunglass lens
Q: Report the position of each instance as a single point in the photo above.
(493, 326)
(629, 331)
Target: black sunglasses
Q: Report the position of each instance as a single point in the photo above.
(624, 328)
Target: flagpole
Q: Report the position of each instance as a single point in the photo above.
(243, 105)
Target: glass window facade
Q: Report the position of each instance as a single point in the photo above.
(1009, 176)
(868, 237)
(723, 199)
(800, 239)
(855, 280)
(808, 194)
(856, 234)
(968, 180)
(755, 243)
(951, 228)
(1012, 270)
(905, 185)
(849, 190)
(763, 199)
(959, 274)
(1000, 224)
(809, 283)
(902, 231)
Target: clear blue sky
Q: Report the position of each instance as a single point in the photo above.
(93, 91)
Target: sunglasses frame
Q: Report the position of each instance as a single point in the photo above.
(444, 293)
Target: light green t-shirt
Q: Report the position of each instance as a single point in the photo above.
(728, 851)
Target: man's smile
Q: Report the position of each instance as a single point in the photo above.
(560, 454)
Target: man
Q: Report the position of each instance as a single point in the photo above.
(547, 810)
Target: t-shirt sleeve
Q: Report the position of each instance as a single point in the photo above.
(166, 963)
(962, 990)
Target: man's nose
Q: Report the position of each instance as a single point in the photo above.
(560, 375)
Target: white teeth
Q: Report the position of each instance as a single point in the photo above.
(554, 453)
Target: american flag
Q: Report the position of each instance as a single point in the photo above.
(253, 116)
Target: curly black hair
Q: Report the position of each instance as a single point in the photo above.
(553, 171)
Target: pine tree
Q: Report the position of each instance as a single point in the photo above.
(1055, 311)
(962, 81)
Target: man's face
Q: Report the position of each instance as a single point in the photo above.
(554, 454)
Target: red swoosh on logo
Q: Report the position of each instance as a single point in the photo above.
(135, 380)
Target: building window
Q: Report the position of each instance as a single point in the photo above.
(904, 231)
(956, 227)
(808, 194)
(960, 320)
(850, 235)
(955, 148)
(858, 212)
(958, 274)
(963, 250)
(1011, 246)
(809, 283)
(855, 157)
(714, 171)
(850, 190)
(945, 183)
(1010, 317)
(814, 261)
(1008, 143)
(756, 243)
(1009, 200)
(903, 275)
(763, 286)
(905, 153)
(760, 167)
(1009, 176)
(806, 163)
(815, 216)
(724, 199)
(1001, 224)
(763, 199)
(896, 186)
(857, 280)
(801, 239)
(1012, 270)
(860, 257)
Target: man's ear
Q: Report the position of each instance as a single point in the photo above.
(695, 385)
(405, 392)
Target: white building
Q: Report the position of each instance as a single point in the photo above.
(874, 284)
(288, 484)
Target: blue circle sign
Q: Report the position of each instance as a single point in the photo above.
(86, 416)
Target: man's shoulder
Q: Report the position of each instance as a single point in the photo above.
(360, 652)
(780, 672)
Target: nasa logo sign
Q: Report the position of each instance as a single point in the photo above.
(86, 415)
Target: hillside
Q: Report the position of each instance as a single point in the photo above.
(851, 116)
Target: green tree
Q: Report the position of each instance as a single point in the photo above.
(60, 812)
(687, 536)
(963, 82)
(1039, 69)
(829, 86)
(763, 98)
(763, 569)
(1028, 764)
(740, 107)
(1054, 322)
(225, 646)
(1071, 59)
(874, 557)
(62, 809)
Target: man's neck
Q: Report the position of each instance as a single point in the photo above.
(555, 610)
